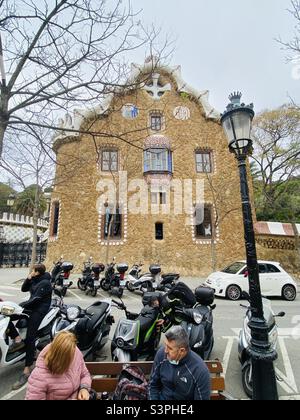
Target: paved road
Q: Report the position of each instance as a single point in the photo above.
(228, 318)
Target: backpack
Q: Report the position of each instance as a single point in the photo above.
(132, 384)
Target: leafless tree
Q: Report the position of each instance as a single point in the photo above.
(293, 46)
(58, 53)
(27, 163)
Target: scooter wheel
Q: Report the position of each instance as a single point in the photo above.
(80, 286)
(94, 293)
(247, 380)
(105, 285)
(129, 286)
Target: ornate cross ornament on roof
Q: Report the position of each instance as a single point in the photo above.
(155, 90)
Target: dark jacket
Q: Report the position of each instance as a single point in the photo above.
(40, 293)
(188, 381)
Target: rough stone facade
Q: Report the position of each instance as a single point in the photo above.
(80, 227)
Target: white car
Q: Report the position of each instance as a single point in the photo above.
(233, 280)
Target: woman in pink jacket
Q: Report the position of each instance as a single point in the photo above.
(60, 372)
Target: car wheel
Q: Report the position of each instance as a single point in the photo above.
(233, 292)
(289, 292)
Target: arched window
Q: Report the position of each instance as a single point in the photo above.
(203, 221)
(55, 219)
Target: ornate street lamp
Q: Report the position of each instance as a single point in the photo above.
(10, 201)
(237, 124)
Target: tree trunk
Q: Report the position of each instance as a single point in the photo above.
(35, 227)
(213, 255)
(297, 239)
(2, 131)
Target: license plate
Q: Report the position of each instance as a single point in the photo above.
(123, 283)
(66, 283)
(97, 283)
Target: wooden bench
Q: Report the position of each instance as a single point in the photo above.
(105, 376)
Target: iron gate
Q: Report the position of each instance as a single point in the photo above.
(13, 255)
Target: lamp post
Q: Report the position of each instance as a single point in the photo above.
(10, 201)
(237, 124)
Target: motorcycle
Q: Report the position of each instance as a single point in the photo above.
(150, 282)
(91, 326)
(60, 276)
(245, 340)
(86, 272)
(136, 336)
(93, 280)
(10, 311)
(114, 282)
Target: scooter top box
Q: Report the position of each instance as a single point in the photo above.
(205, 295)
(122, 268)
(98, 268)
(148, 296)
(67, 266)
(155, 269)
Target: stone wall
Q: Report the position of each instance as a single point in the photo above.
(281, 249)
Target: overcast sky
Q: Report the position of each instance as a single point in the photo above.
(225, 46)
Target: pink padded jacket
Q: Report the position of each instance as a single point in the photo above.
(42, 385)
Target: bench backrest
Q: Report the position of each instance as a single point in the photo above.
(105, 375)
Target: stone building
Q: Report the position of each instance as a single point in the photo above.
(129, 185)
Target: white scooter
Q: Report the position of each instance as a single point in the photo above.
(150, 282)
(245, 339)
(10, 311)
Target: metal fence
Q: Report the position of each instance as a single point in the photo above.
(19, 255)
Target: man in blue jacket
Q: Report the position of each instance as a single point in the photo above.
(178, 373)
(38, 284)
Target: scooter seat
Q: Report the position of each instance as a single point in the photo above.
(96, 311)
(170, 276)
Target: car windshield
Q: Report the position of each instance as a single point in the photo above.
(234, 268)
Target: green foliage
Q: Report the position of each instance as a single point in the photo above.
(5, 191)
(287, 206)
(25, 200)
(184, 95)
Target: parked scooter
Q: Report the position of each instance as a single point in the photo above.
(93, 280)
(114, 282)
(150, 282)
(86, 272)
(60, 276)
(10, 311)
(198, 322)
(137, 336)
(245, 339)
(194, 312)
(91, 326)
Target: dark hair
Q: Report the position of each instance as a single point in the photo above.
(40, 268)
(180, 336)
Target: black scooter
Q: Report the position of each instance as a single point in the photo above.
(60, 276)
(91, 326)
(113, 282)
(86, 273)
(194, 312)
